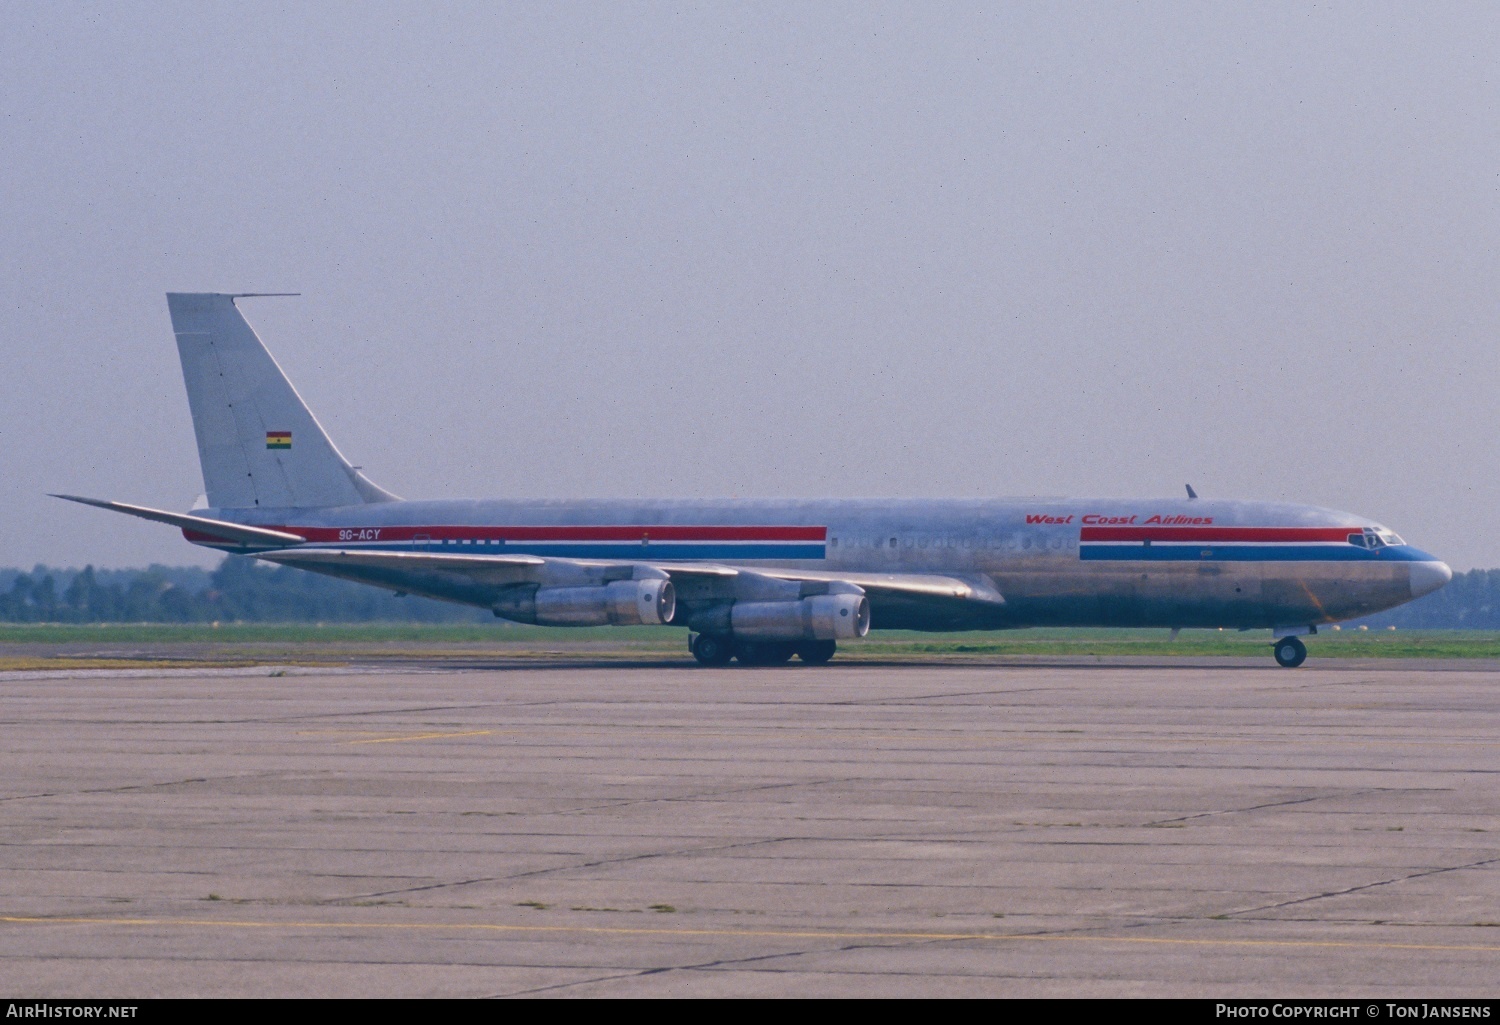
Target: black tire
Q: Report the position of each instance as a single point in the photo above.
(763, 653)
(711, 650)
(815, 653)
(1290, 652)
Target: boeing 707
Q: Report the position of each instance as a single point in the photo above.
(761, 581)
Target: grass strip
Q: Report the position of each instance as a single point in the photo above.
(147, 645)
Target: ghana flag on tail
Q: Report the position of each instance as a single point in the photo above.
(278, 439)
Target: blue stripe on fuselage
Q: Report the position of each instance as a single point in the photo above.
(1249, 553)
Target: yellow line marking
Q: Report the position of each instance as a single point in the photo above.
(343, 733)
(420, 736)
(799, 934)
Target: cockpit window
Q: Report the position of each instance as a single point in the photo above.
(1373, 538)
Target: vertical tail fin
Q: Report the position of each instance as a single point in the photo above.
(258, 442)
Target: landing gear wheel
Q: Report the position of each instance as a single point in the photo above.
(763, 653)
(710, 650)
(815, 653)
(1290, 652)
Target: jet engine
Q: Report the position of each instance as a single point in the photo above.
(824, 617)
(621, 603)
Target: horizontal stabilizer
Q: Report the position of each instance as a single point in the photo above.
(248, 537)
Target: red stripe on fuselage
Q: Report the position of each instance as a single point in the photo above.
(577, 533)
(1281, 535)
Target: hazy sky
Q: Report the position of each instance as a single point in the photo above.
(787, 250)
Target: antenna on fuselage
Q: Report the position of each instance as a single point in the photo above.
(1191, 492)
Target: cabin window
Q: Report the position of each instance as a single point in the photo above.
(893, 542)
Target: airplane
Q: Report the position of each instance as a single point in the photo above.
(760, 581)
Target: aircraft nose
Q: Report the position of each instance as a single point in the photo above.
(1427, 577)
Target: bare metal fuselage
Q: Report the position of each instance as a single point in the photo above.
(1029, 562)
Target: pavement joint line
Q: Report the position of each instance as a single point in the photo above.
(625, 859)
(707, 794)
(729, 962)
(579, 982)
(647, 856)
(1369, 886)
(494, 927)
(425, 736)
(917, 698)
(107, 790)
(1271, 804)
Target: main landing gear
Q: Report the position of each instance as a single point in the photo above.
(711, 650)
(1290, 652)
(715, 650)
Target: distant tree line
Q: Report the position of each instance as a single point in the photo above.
(244, 590)
(1471, 601)
(239, 590)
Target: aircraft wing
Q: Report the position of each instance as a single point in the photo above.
(918, 601)
(219, 530)
(709, 578)
(481, 569)
(481, 579)
(977, 588)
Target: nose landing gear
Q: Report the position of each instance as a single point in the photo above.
(1290, 652)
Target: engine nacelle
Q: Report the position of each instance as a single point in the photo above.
(824, 617)
(622, 603)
